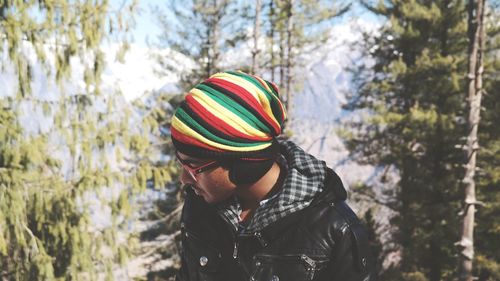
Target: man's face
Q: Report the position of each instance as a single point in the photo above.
(208, 179)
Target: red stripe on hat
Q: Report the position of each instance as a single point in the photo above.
(246, 96)
(218, 123)
(191, 141)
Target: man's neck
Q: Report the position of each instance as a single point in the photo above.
(250, 195)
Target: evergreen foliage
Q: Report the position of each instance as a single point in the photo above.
(205, 32)
(160, 240)
(202, 31)
(487, 231)
(415, 95)
(293, 28)
(53, 178)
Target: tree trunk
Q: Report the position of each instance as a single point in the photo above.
(474, 77)
(217, 9)
(282, 54)
(289, 56)
(3, 7)
(271, 37)
(220, 8)
(255, 51)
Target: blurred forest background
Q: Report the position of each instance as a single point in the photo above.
(400, 97)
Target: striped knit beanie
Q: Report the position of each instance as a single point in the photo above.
(231, 115)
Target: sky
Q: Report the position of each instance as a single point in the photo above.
(147, 27)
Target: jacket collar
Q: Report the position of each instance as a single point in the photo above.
(305, 179)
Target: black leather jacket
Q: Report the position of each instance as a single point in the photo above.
(324, 241)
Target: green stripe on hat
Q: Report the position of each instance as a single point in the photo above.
(191, 123)
(272, 96)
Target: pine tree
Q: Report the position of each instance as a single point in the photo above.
(53, 177)
(159, 160)
(296, 27)
(413, 127)
(474, 97)
(487, 228)
(202, 31)
(414, 92)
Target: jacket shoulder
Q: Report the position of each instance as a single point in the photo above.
(339, 226)
(350, 229)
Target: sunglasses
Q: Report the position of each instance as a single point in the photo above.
(195, 169)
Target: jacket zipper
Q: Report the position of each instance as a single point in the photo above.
(235, 250)
(236, 244)
(259, 237)
(311, 265)
(310, 262)
(233, 234)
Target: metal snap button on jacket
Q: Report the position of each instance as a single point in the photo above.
(203, 261)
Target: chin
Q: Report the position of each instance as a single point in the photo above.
(210, 201)
(205, 197)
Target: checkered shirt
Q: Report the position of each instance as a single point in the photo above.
(304, 180)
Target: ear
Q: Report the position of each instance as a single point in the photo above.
(248, 172)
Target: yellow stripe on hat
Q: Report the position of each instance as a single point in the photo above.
(251, 88)
(186, 130)
(271, 91)
(225, 114)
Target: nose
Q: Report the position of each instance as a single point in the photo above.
(186, 177)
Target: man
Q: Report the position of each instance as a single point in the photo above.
(257, 208)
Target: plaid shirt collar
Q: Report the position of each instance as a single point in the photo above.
(304, 180)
